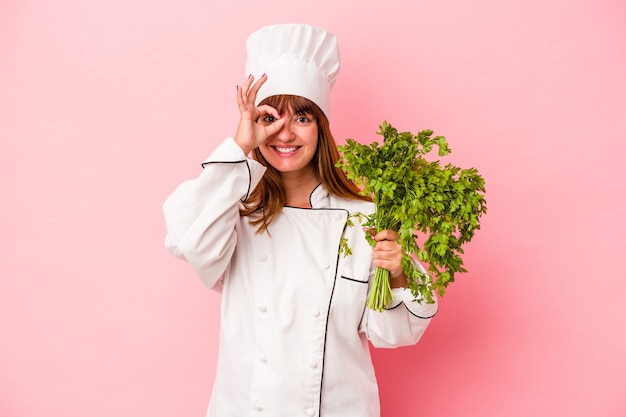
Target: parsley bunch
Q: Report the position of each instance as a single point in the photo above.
(412, 195)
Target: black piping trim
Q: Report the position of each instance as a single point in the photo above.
(204, 164)
(318, 208)
(409, 310)
(311, 195)
(311, 203)
(330, 303)
(394, 307)
(420, 317)
(355, 280)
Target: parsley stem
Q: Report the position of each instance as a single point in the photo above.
(380, 294)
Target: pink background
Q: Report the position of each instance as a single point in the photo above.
(105, 106)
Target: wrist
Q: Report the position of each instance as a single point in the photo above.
(246, 150)
(400, 281)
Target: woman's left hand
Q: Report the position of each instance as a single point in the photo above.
(387, 254)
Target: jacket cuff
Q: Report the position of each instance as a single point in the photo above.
(229, 152)
(415, 307)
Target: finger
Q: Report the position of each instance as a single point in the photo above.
(387, 235)
(246, 96)
(390, 260)
(243, 100)
(275, 127)
(246, 85)
(394, 267)
(257, 85)
(242, 94)
(381, 263)
(387, 246)
(240, 102)
(266, 109)
(251, 91)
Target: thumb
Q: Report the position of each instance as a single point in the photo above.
(370, 230)
(387, 235)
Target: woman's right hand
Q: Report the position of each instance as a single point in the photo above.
(252, 130)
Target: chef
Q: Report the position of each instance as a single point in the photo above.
(268, 223)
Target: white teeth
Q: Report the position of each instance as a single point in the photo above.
(286, 150)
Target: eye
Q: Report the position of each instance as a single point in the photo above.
(303, 119)
(268, 118)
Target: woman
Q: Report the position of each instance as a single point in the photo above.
(265, 231)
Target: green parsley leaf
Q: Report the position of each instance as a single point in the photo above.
(413, 195)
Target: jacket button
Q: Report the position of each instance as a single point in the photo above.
(315, 312)
(263, 358)
(263, 258)
(310, 412)
(262, 309)
(313, 364)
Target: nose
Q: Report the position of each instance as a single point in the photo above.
(286, 133)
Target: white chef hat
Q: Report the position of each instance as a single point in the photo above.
(299, 59)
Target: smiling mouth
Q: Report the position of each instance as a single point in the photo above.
(285, 149)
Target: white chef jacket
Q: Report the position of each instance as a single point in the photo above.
(294, 326)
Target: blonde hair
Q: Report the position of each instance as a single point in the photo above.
(268, 198)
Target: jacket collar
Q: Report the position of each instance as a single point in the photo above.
(319, 197)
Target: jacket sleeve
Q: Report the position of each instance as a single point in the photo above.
(402, 323)
(201, 214)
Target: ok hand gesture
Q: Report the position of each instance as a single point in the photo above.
(250, 133)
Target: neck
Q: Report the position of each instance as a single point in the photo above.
(298, 188)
